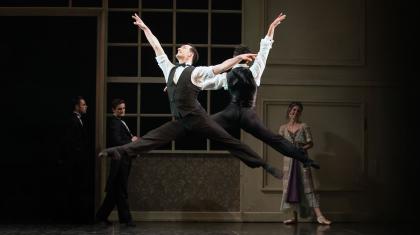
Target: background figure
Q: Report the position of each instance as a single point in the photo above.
(298, 186)
(117, 184)
(77, 164)
(242, 83)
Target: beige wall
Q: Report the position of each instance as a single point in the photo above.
(335, 57)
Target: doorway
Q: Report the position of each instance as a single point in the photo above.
(45, 61)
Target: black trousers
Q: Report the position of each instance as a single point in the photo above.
(80, 189)
(117, 191)
(199, 124)
(235, 116)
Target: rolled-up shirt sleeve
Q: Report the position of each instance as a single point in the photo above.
(165, 65)
(217, 82)
(258, 66)
(203, 77)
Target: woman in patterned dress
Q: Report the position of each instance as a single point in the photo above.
(298, 186)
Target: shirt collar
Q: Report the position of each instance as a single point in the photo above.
(240, 66)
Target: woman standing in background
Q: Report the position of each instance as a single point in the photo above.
(298, 186)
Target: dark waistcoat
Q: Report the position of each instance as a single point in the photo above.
(183, 95)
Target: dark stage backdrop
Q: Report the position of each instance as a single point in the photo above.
(44, 62)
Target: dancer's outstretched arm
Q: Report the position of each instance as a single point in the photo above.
(154, 42)
(258, 67)
(207, 78)
(164, 63)
(229, 63)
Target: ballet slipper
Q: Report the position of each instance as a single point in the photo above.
(323, 220)
(290, 221)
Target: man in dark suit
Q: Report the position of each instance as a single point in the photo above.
(77, 164)
(116, 188)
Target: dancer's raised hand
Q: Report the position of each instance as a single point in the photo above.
(139, 22)
(274, 24)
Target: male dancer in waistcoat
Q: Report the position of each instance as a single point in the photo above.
(184, 82)
(242, 82)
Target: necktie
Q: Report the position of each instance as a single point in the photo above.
(180, 64)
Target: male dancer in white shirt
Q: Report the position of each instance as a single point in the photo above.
(183, 85)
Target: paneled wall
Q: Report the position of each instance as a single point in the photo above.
(334, 57)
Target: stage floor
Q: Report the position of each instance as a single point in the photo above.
(188, 228)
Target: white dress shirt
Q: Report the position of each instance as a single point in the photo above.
(79, 116)
(126, 127)
(200, 75)
(257, 68)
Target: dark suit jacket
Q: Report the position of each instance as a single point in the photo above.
(120, 169)
(118, 133)
(77, 163)
(76, 141)
(79, 170)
